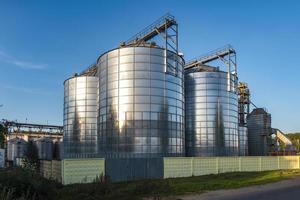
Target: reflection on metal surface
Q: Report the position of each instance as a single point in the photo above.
(80, 116)
(141, 106)
(243, 141)
(45, 148)
(16, 148)
(211, 109)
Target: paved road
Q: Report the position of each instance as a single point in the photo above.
(283, 190)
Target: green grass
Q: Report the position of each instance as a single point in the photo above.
(228, 181)
(21, 181)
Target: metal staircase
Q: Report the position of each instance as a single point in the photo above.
(225, 54)
(219, 53)
(156, 28)
(167, 28)
(90, 71)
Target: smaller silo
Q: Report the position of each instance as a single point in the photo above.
(259, 131)
(16, 148)
(211, 110)
(80, 117)
(45, 148)
(58, 150)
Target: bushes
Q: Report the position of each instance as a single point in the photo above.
(7, 193)
(101, 188)
(18, 184)
(3, 130)
(31, 159)
(152, 187)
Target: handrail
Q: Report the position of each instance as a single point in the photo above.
(152, 28)
(211, 55)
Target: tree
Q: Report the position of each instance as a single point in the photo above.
(2, 135)
(31, 158)
(295, 138)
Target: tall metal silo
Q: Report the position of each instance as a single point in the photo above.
(141, 97)
(80, 117)
(259, 132)
(211, 109)
(16, 148)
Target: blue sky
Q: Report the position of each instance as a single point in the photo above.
(44, 42)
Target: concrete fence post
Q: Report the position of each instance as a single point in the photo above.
(240, 164)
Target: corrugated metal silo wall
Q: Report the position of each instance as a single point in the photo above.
(141, 103)
(128, 169)
(80, 117)
(211, 114)
(16, 148)
(243, 141)
(259, 128)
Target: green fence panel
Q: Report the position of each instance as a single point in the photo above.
(269, 163)
(205, 165)
(46, 168)
(82, 170)
(56, 170)
(250, 164)
(228, 164)
(178, 167)
(289, 162)
(196, 166)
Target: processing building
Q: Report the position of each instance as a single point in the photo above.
(46, 138)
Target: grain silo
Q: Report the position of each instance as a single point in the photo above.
(58, 149)
(141, 113)
(211, 112)
(80, 116)
(259, 132)
(45, 148)
(16, 148)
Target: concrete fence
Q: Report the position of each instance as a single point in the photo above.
(197, 166)
(69, 171)
(51, 169)
(84, 170)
